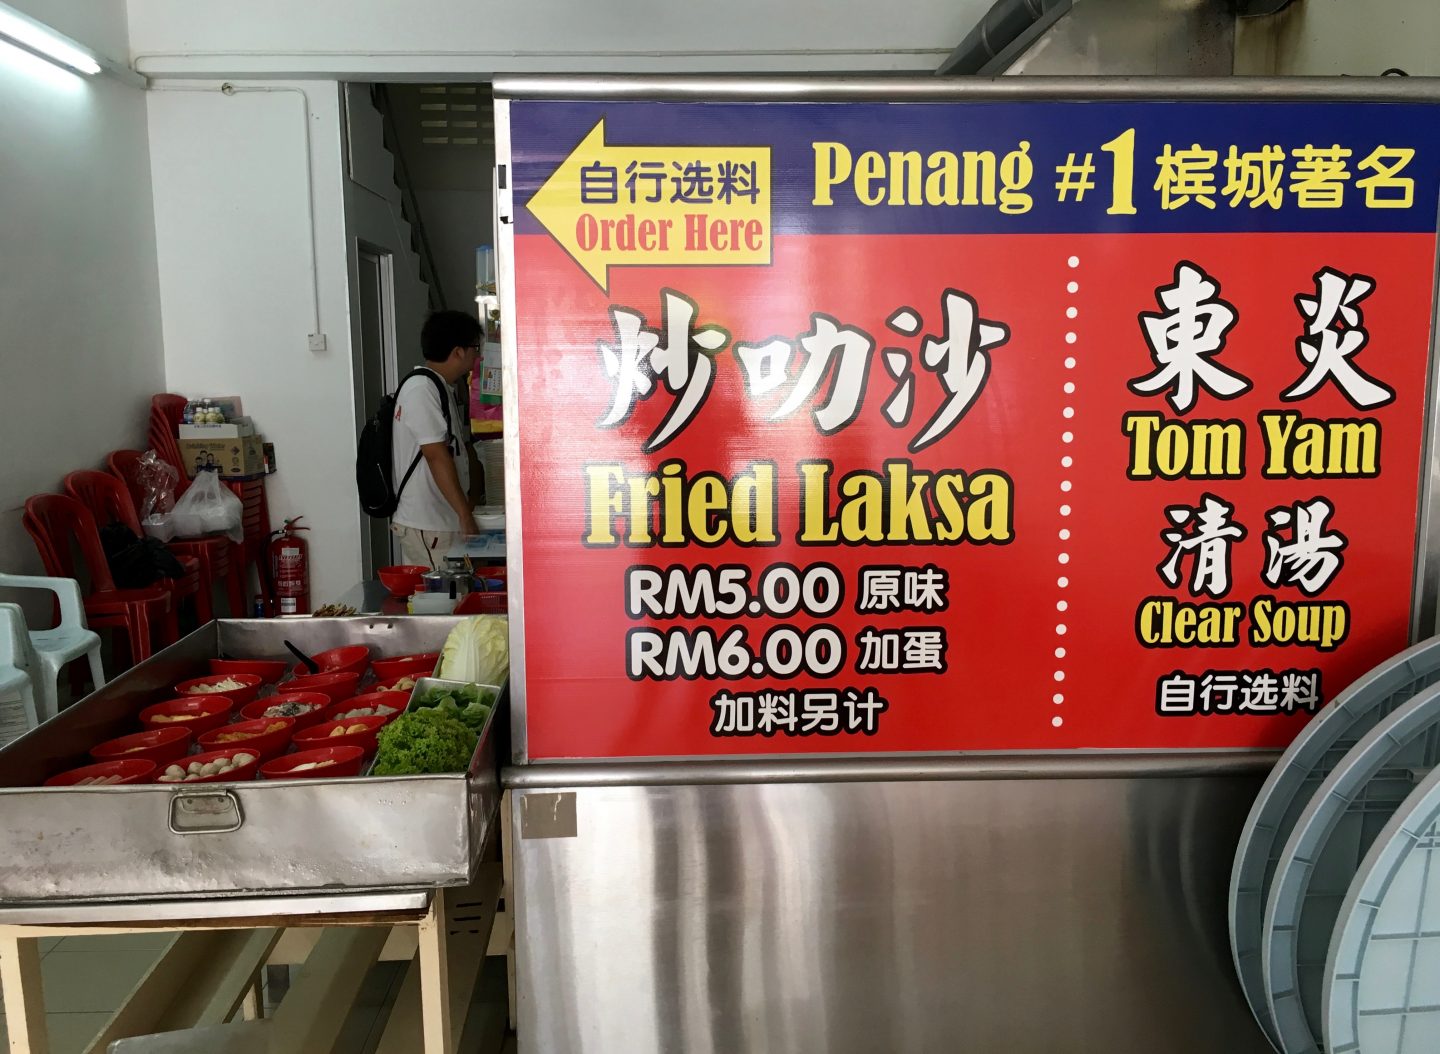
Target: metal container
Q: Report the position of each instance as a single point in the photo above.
(427, 684)
(75, 845)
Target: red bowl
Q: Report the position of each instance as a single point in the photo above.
(267, 744)
(335, 685)
(353, 658)
(239, 775)
(241, 696)
(209, 711)
(132, 770)
(317, 701)
(402, 579)
(415, 665)
(268, 670)
(346, 761)
(368, 739)
(160, 745)
(394, 700)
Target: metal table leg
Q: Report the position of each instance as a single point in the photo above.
(435, 979)
(24, 994)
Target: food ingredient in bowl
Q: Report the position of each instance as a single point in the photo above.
(165, 719)
(288, 710)
(308, 765)
(100, 781)
(367, 711)
(334, 611)
(195, 770)
(235, 737)
(229, 684)
(424, 741)
(404, 684)
(346, 730)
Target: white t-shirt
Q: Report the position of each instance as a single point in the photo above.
(419, 419)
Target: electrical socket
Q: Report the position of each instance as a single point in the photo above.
(317, 342)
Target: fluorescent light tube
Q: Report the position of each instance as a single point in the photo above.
(41, 40)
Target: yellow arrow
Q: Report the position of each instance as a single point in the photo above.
(615, 206)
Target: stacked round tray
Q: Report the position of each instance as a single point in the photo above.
(1344, 807)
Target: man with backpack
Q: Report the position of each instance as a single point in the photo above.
(424, 488)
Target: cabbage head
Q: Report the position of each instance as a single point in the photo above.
(477, 651)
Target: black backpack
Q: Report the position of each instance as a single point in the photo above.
(374, 468)
(136, 562)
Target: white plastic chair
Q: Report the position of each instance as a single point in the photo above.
(56, 648)
(14, 646)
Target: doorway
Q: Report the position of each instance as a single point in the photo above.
(379, 366)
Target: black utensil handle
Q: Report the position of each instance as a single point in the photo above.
(310, 664)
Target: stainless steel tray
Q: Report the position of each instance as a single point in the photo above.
(92, 844)
(425, 684)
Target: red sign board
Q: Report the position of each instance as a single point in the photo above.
(849, 428)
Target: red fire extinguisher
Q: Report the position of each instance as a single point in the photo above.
(290, 569)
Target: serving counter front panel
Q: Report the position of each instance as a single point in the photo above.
(891, 463)
(1024, 916)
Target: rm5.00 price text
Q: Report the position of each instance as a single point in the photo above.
(732, 591)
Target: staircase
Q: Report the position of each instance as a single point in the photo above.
(409, 209)
(376, 162)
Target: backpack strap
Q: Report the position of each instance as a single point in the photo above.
(444, 405)
(420, 371)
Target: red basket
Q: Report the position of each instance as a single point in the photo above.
(344, 761)
(135, 770)
(160, 745)
(251, 689)
(202, 713)
(267, 744)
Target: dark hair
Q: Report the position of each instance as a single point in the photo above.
(444, 331)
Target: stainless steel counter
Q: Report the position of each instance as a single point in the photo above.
(1062, 905)
(159, 842)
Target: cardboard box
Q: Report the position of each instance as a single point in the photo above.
(241, 458)
(239, 428)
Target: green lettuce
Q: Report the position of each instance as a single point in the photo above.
(424, 741)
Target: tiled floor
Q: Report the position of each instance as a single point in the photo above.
(86, 978)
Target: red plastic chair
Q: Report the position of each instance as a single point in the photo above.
(166, 413)
(58, 525)
(214, 551)
(108, 500)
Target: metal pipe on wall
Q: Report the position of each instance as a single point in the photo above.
(1003, 32)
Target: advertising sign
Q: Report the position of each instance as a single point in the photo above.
(852, 427)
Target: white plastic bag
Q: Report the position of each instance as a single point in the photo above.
(208, 508)
(160, 526)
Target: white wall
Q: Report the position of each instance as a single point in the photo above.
(80, 352)
(382, 39)
(233, 235)
(1361, 38)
